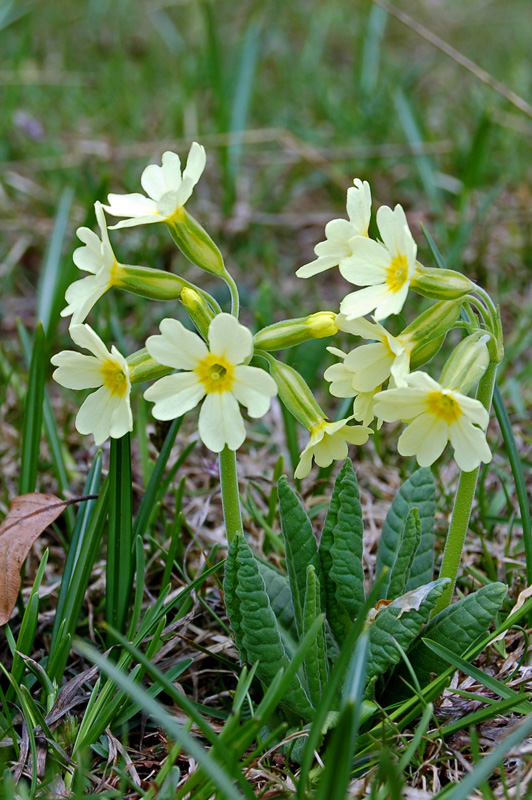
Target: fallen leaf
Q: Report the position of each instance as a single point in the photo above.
(28, 516)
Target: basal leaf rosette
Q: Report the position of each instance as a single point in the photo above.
(436, 415)
(107, 412)
(339, 232)
(385, 268)
(217, 374)
(329, 442)
(167, 188)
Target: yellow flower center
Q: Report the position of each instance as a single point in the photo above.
(444, 407)
(397, 273)
(114, 378)
(216, 374)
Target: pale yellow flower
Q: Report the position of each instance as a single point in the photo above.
(168, 190)
(340, 232)
(385, 268)
(107, 411)
(436, 415)
(97, 257)
(328, 442)
(219, 373)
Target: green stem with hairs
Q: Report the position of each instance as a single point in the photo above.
(230, 496)
(463, 503)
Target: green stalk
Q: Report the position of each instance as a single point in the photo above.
(463, 503)
(119, 573)
(235, 300)
(230, 496)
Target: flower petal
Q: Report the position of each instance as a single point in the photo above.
(176, 346)
(359, 206)
(230, 339)
(221, 423)
(84, 336)
(89, 257)
(395, 233)
(362, 302)
(130, 205)
(368, 264)
(254, 388)
(77, 371)
(424, 438)
(470, 445)
(174, 395)
(81, 297)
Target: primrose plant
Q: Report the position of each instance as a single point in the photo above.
(222, 366)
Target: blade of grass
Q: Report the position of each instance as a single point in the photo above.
(223, 781)
(53, 280)
(119, 568)
(31, 432)
(519, 478)
(371, 50)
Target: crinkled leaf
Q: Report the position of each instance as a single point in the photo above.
(337, 617)
(456, 628)
(300, 546)
(278, 591)
(346, 550)
(400, 620)
(417, 492)
(256, 629)
(315, 663)
(28, 516)
(408, 547)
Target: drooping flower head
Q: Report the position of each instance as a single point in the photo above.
(385, 268)
(339, 232)
(106, 412)
(218, 373)
(168, 190)
(328, 442)
(97, 257)
(436, 415)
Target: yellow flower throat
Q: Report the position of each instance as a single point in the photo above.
(114, 378)
(216, 374)
(397, 273)
(444, 407)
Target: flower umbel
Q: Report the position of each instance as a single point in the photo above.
(435, 416)
(217, 373)
(328, 442)
(168, 190)
(107, 411)
(339, 232)
(384, 268)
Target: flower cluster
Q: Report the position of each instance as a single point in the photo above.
(212, 366)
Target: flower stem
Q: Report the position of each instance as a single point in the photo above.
(230, 496)
(235, 300)
(465, 493)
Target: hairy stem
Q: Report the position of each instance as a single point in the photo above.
(230, 496)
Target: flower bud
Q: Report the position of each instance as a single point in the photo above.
(440, 284)
(295, 393)
(198, 310)
(155, 284)
(195, 243)
(142, 367)
(467, 363)
(290, 332)
(425, 352)
(434, 322)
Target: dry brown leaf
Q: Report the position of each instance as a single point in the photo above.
(28, 516)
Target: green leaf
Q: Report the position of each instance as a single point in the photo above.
(315, 663)
(456, 628)
(31, 433)
(256, 630)
(278, 590)
(119, 572)
(401, 620)
(408, 547)
(337, 617)
(346, 550)
(300, 546)
(417, 492)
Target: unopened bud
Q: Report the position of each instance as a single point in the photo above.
(199, 311)
(467, 363)
(142, 367)
(425, 352)
(195, 243)
(440, 284)
(155, 284)
(295, 394)
(434, 322)
(290, 332)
